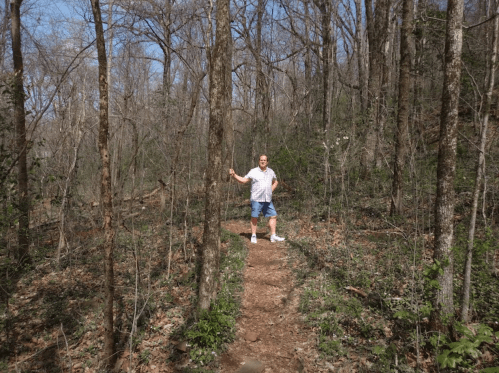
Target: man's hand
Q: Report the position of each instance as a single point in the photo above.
(239, 179)
(274, 184)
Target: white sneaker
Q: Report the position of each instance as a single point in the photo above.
(276, 238)
(253, 239)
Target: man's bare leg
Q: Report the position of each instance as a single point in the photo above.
(272, 224)
(254, 224)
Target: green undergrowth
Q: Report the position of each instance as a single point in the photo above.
(368, 298)
(215, 328)
(350, 328)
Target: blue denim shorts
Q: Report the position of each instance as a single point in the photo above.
(266, 208)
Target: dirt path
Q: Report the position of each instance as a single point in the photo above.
(270, 334)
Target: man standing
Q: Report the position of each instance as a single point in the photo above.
(263, 183)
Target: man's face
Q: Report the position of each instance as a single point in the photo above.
(263, 162)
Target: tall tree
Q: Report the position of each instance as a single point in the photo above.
(106, 194)
(377, 25)
(220, 101)
(480, 169)
(325, 9)
(307, 63)
(446, 167)
(20, 124)
(262, 85)
(252, 32)
(401, 141)
(361, 58)
(4, 27)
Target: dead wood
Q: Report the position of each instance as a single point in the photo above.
(360, 292)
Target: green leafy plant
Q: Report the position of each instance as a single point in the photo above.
(216, 326)
(430, 274)
(145, 356)
(211, 330)
(461, 352)
(384, 357)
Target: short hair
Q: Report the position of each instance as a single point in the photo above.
(263, 155)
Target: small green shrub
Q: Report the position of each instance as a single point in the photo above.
(384, 358)
(216, 327)
(145, 356)
(331, 347)
(462, 353)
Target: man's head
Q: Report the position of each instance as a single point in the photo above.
(263, 161)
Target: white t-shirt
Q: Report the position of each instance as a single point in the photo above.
(261, 184)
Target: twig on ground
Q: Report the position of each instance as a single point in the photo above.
(360, 292)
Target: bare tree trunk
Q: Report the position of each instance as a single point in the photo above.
(261, 113)
(69, 177)
(110, 37)
(186, 215)
(480, 171)
(106, 194)
(372, 89)
(4, 27)
(444, 204)
(220, 100)
(167, 59)
(308, 65)
(419, 46)
(325, 9)
(22, 254)
(401, 139)
(377, 31)
(262, 88)
(386, 62)
(361, 58)
(228, 149)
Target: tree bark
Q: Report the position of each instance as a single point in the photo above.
(261, 113)
(78, 133)
(106, 194)
(444, 204)
(377, 32)
(308, 65)
(480, 171)
(220, 100)
(361, 58)
(262, 84)
(420, 40)
(325, 9)
(401, 139)
(4, 27)
(22, 253)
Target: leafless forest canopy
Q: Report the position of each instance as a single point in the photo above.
(157, 57)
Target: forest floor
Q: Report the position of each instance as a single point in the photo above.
(322, 301)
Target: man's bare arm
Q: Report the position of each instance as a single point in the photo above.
(239, 179)
(274, 184)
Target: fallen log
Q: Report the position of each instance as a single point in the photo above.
(126, 199)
